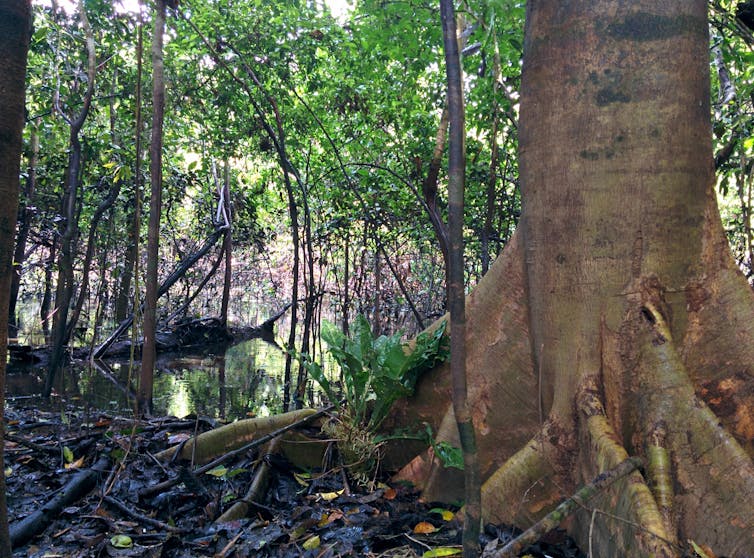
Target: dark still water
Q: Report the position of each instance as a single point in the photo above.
(246, 380)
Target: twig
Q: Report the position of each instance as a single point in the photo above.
(228, 548)
(555, 517)
(141, 518)
(54, 450)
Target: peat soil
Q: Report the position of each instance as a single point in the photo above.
(316, 513)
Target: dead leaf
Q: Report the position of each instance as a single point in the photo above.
(424, 528)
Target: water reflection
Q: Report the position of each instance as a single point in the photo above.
(245, 381)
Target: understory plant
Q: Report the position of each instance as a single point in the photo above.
(375, 372)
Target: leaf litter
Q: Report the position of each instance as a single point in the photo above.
(316, 513)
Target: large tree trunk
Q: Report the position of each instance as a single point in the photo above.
(616, 321)
(15, 31)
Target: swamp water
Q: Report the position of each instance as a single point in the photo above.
(245, 380)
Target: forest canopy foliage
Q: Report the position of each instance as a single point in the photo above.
(358, 101)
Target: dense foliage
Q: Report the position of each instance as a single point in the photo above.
(330, 134)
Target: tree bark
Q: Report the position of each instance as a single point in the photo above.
(455, 280)
(15, 32)
(615, 323)
(25, 215)
(69, 211)
(149, 350)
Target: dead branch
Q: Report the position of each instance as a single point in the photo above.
(555, 517)
(79, 486)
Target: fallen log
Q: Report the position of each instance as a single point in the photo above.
(184, 266)
(196, 335)
(79, 486)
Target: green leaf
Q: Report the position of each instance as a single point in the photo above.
(121, 541)
(219, 471)
(67, 454)
(449, 455)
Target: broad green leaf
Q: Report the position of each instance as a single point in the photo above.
(450, 456)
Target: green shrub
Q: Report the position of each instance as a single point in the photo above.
(376, 372)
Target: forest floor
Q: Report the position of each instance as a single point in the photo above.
(301, 513)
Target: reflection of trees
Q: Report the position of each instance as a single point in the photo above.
(246, 380)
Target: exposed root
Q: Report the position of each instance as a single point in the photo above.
(643, 528)
(711, 468)
(660, 475)
(521, 491)
(559, 514)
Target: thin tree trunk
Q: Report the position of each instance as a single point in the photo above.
(149, 349)
(44, 309)
(346, 283)
(131, 264)
(104, 205)
(15, 31)
(310, 297)
(227, 247)
(429, 185)
(70, 212)
(455, 289)
(26, 213)
(487, 229)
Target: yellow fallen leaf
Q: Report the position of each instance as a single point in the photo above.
(329, 496)
(76, 464)
(424, 527)
(442, 551)
(311, 543)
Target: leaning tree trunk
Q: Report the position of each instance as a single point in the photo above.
(616, 322)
